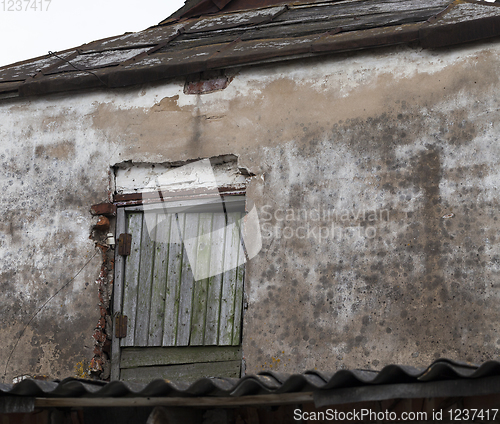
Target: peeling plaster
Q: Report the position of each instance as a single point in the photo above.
(404, 130)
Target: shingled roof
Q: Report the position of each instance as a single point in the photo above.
(188, 44)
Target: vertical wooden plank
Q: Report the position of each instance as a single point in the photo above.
(132, 263)
(145, 280)
(238, 297)
(186, 293)
(117, 294)
(215, 281)
(174, 274)
(158, 292)
(229, 279)
(201, 271)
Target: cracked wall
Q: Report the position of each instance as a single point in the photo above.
(376, 185)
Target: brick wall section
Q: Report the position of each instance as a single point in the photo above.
(100, 362)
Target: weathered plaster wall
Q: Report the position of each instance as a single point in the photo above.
(53, 168)
(396, 149)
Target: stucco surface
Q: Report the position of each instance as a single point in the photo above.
(376, 181)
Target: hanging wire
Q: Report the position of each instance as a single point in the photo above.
(78, 69)
(41, 307)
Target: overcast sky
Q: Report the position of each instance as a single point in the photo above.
(30, 28)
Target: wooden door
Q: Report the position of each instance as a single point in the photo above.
(181, 289)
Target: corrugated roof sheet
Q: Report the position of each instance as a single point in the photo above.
(254, 36)
(264, 383)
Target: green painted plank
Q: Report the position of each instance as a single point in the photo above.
(202, 270)
(133, 357)
(121, 227)
(134, 227)
(145, 280)
(229, 279)
(174, 274)
(238, 297)
(215, 281)
(189, 237)
(158, 293)
(188, 373)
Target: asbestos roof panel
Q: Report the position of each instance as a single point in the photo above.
(260, 384)
(24, 70)
(463, 12)
(248, 51)
(188, 58)
(461, 22)
(377, 37)
(96, 60)
(148, 37)
(356, 9)
(232, 20)
(300, 26)
(253, 36)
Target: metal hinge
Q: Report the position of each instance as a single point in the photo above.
(121, 326)
(124, 244)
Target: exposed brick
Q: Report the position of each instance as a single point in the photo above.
(96, 364)
(99, 336)
(101, 323)
(206, 86)
(102, 224)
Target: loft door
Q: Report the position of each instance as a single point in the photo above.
(179, 292)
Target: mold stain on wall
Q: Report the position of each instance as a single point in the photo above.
(409, 132)
(361, 132)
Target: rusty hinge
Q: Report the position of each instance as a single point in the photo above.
(121, 326)
(124, 244)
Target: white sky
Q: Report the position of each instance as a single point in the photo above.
(62, 24)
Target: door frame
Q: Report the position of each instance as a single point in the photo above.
(119, 266)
